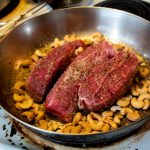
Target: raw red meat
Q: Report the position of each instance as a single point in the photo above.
(107, 82)
(63, 98)
(49, 67)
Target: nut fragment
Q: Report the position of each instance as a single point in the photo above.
(133, 116)
(43, 124)
(115, 108)
(40, 53)
(76, 129)
(40, 115)
(117, 119)
(26, 62)
(143, 71)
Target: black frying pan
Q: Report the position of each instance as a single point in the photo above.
(117, 25)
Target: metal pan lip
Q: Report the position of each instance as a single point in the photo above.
(65, 134)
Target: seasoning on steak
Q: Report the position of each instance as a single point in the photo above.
(48, 67)
(63, 98)
(107, 82)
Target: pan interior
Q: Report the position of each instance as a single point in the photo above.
(21, 42)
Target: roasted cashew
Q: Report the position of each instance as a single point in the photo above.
(78, 51)
(26, 62)
(29, 115)
(117, 119)
(125, 111)
(87, 41)
(95, 126)
(67, 129)
(133, 91)
(70, 38)
(35, 58)
(17, 105)
(76, 129)
(18, 88)
(18, 98)
(136, 103)
(77, 118)
(146, 104)
(106, 127)
(97, 37)
(35, 108)
(111, 123)
(144, 96)
(87, 129)
(142, 90)
(133, 116)
(123, 102)
(115, 108)
(143, 71)
(40, 53)
(107, 114)
(96, 116)
(43, 124)
(53, 125)
(40, 115)
(26, 104)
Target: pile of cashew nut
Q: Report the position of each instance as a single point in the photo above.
(126, 108)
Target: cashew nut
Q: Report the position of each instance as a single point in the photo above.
(134, 92)
(26, 104)
(77, 118)
(143, 71)
(76, 129)
(136, 103)
(35, 108)
(95, 126)
(146, 104)
(87, 129)
(29, 115)
(78, 51)
(40, 115)
(126, 110)
(18, 98)
(117, 119)
(133, 116)
(111, 123)
(26, 62)
(53, 125)
(68, 129)
(106, 127)
(123, 102)
(144, 96)
(107, 114)
(39, 53)
(43, 124)
(87, 41)
(96, 116)
(18, 88)
(115, 108)
(144, 89)
(35, 58)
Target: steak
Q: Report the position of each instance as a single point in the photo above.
(62, 100)
(49, 67)
(107, 82)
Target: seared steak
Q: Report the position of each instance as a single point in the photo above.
(107, 82)
(63, 98)
(48, 67)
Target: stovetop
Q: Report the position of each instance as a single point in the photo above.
(11, 138)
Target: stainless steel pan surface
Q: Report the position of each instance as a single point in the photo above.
(117, 25)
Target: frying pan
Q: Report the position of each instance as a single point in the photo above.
(117, 25)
